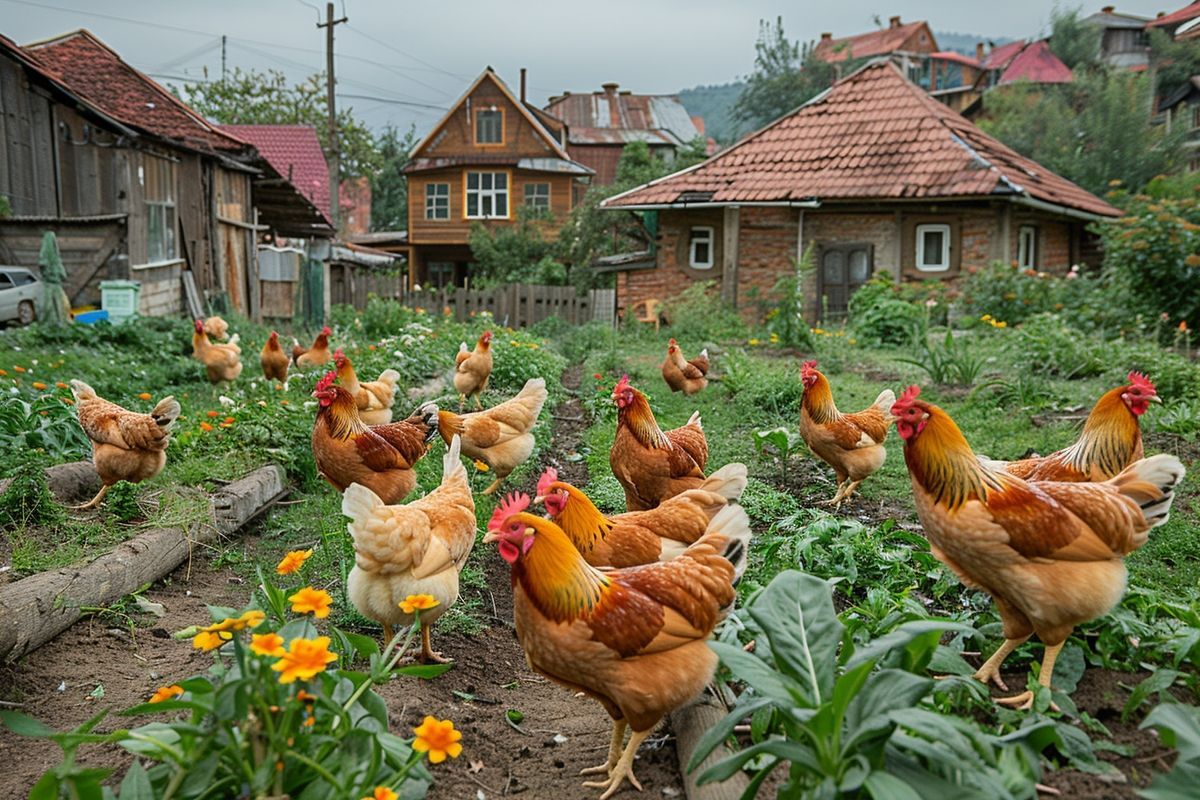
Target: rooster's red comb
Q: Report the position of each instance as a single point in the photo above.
(515, 503)
(1141, 381)
(326, 381)
(339, 356)
(326, 330)
(622, 384)
(548, 477)
(906, 399)
(808, 366)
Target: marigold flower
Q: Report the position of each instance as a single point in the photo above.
(68, 400)
(382, 793)
(19, 368)
(267, 644)
(1183, 325)
(62, 385)
(166, 693)
(1193, 260)
(438, 738)
(204, 426)
(144, 396)
(293, 561)
(304, 659)
(418, 602)
(312, 601)
(229, 420)
(208, 640)
(3, 372)
(283, 402)
(212, 414)
(38, 385)
(482, 467)
(279, 387)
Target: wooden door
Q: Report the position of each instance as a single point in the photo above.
(843, 268)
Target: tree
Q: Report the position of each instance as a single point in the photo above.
(389, 186)
(514, 253)
(257, 98)
(786, 75)
(1074, 41)
(1175, 62)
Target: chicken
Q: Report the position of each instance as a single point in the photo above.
(316, 356)
(380, 457)
(638, 537)
(418, 548)
(501, 437)
(634, 639)
(274, 361)
(472, 368)
(1049, 553)
(850, 443)
(222, 362)
(650, 464)
(374, 398)
(125, 446)
(1111, 439)
(217, 328)
(684, 376)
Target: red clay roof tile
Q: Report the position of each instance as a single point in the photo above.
(1037, 63)
(295, 153)
(864, 45)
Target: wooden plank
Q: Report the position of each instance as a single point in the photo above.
(80, 278)
(729, 235)
(192, 295)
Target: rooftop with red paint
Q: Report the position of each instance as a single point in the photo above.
(1188, 12)
(1038, 64)
(1000, 57)
(873, 136)
(295, 153)
(865, 45)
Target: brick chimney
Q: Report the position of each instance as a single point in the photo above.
(979, 51)
(614, 105)
(894, 22)
(827, 37)
(1108, 9)
(522, 84)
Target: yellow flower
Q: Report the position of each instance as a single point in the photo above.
(311, 601)
(249, 619)
(293, 561)
(854, 341)
(144, 396)
(304, 659)
(482, 467)
(753, 342)
(209, 640)
(418, 602)
(267, 644)
(438, 738)
(166, 693)
(774, 338)
(382, 793)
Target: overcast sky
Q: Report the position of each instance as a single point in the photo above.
(427, 52)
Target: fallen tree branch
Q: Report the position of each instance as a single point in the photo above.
(690, 723)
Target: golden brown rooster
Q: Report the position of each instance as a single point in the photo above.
(374, 398)
(472, 368)
(501, 436)
(222, 362)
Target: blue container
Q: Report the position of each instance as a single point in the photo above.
(91, 317)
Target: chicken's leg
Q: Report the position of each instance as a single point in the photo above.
(849, 490)
(990, 671)
(478, 402)
(427, 652)
(837, 497)
(614, 750)
(388, 633)
(95, 501)
(1024, 700)
(462, 400)
(623, 769)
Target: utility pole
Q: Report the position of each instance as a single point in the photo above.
(334, 156)
(222, 58)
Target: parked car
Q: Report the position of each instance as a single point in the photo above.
(20, 293)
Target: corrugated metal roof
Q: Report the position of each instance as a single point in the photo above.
(613, 117)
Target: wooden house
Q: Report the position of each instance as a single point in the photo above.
(1123, 39)
(908, 44)
(872, 175)
(490, 159)
(1181, 109)
(954, 78)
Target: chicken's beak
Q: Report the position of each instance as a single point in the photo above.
(1154, 398)
(490, 537)
(541, 498)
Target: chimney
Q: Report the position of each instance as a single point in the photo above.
(826, 37)
(1108, 9)
(894, 22)
(522, 84)
(614, 105)
(979, 51)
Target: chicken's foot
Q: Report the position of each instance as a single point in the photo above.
(478, 403)
(623, 769)
(95, 501)
(462, 401)
(495, 485)
(427, 653)
(836, 500)
(1024, 700)
(990, 671)
(614, 750)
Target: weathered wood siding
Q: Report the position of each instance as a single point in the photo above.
(27, 175)
(517, 305)
(456, 135)
(457, 228)
(94, 173)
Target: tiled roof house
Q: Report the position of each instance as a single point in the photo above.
(293, 153)
(908, 44)
(874, 175)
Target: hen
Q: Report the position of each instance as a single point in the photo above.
(472, 368)
(380, 457)
(502, 436)
(1049, 553)
(316, 356)
(653, 465)
(222, 362)
(1111, 439)
(635, 639)
(418, 548)
(684, 376)
(375, 398)
(850, 443)
(217, 328)
(638, 537)
(274, 361)
(125, 446)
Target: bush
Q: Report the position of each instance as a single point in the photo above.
(879, 315)
(699, 314)
(1047, 345)
(1014, 295)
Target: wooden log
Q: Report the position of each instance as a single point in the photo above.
(36, 609)
(690, 723)
(74, 481)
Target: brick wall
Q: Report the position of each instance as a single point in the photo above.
(766, 252)
(977, 235)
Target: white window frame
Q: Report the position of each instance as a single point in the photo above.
(702, 234)
(1027, 247)
(490, 193)
(943, 264)
(499, 112)
(161, 242)
(538, 201)
(437, 201)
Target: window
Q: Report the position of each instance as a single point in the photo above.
(1027, 241)
(441, 274)
(537, 196)
(437, 201)
(700, 248)
(487, 195)
(933, 248)
(489, 126)
(158, 180)
(844, 268)
(1196, 116)
(5, 281)
(21, 277)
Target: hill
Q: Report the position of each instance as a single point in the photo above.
(714, 103)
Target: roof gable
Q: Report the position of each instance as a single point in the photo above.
(1000, 57)
(873, 43)
(873, 136)
(1036, 63)
(295, 153)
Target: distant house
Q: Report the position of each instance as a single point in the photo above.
(909, 44)
(489, 157)
(1180, 24)
(1016, 63)
(292, 189)
(1123, 39)
(1182, 109)
(600, 124)
(874, 175)
(954, 78)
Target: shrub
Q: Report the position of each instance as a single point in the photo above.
(699, 314)
(1013, 295)
(1047, 345)
(878, 315)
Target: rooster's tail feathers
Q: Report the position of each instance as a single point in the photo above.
(885, 401)
(82, 391)
(729, 481)
(694, 419)
(166, 412)
(452, 461)
(1151, 483)
(733, 524)
(390, 376)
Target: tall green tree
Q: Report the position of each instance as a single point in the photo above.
(1175, 62)
(389, 186)
(1075, 42)
(786, 75)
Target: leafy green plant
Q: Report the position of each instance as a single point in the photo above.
(699, 314)
(27, 500)
(952, 361)
(1178, 726)
(879, 315)
(782, 441)
(1181, 418)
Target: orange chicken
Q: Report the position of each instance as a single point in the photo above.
(316, 356)
(274, 361)
(222, 362)
(634, 639)
(217, 328)
(850, 443)
(417, 548)
(125, 446)
(1051, 554)
(374, 398)
(684, 376)
(653, 465)
(502, 436)
(472, 368)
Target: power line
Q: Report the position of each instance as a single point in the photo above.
(392, 102)
(398, 51)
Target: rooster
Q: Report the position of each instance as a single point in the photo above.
(472, 368)
(222, 362)
(418, 548)
(653, 465)
(316, 356)
(634, 639)
(684, 376)
(1050, 554)
(850, 443)
(380, 457)
(638, 537)
(502, 436)
(125, 446)
(374, 398)
(1110, 442)
(274, 361)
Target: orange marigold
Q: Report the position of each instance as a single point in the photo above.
(166, 693)
(293, 561)
(438, 738)
(311, 601)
